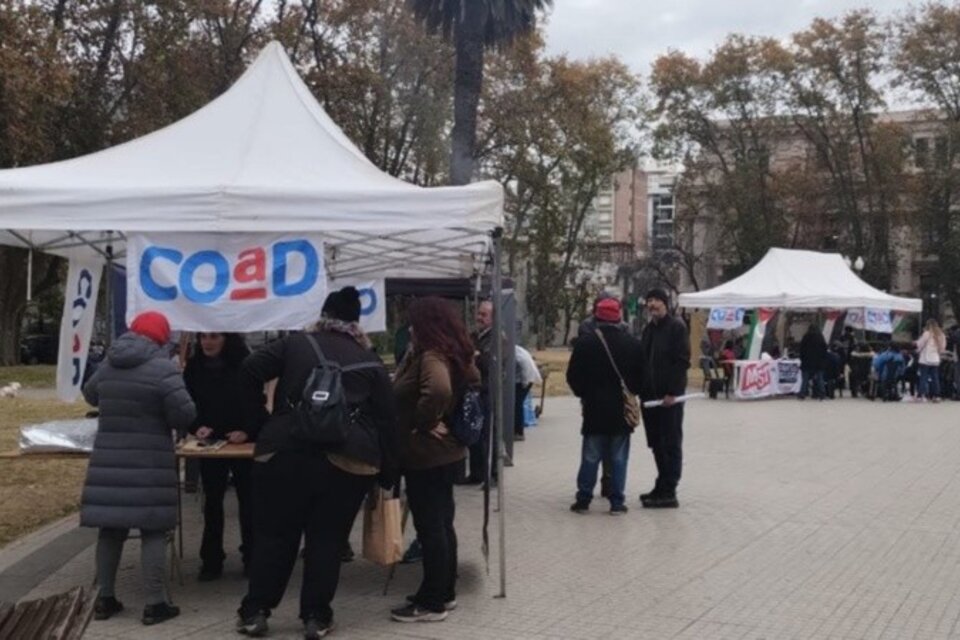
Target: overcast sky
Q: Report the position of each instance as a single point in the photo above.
(640, 30)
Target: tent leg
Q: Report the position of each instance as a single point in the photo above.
(498, 414)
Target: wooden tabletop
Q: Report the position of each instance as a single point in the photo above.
(228, 451)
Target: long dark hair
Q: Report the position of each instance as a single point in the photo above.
(437, 326)
(234, 351)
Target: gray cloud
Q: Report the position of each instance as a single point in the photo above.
(638, 30)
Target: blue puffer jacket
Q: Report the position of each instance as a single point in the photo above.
(132, 479)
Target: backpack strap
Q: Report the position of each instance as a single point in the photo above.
(316, 349)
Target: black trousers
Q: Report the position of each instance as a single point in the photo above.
(214, 476)
(298, 494)
(430, 495)
(481, 452)
(519, 396)
(664, 431)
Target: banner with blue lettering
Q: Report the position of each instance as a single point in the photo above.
(373, 301)
(227, 281)
(76, 326)
(726, 318)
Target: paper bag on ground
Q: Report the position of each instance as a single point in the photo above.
(382, 535)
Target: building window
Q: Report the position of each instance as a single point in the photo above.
(662, 211)
(921, 152)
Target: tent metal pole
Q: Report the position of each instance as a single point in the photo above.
(498, 413)
(111, 329)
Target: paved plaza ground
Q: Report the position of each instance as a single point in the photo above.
(797, 520)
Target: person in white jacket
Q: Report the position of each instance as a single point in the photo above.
(929, 347)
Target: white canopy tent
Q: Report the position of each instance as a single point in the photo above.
(793, 279)
(262, 157)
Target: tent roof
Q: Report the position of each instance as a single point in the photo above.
(791, 279)
(264, 156)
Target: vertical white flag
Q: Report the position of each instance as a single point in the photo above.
(76, 326)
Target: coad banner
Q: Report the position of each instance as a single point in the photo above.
(227, 282)
(76, 326)
(373, 301)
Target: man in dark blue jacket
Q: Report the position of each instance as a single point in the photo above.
(666, 358)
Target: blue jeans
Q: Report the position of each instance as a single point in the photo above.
(929, 381)
(612, 449)
(816, 376)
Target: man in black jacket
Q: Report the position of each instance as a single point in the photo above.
(666, 358)
(597, 382)
(813, 362)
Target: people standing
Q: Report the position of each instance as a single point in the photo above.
(429, 386)
(132, 478)
(929, 347)
(666, 358)
(309, 490)
(601, 364)
(482, 338)
(813, 362)
(528, 375)
(212, 378)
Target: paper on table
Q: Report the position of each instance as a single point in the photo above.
(649, 404)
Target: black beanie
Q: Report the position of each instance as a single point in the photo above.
(343, 305)
(658, 294)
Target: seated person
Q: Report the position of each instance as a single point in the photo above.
(889, 367)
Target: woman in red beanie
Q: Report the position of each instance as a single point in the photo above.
(132, 477)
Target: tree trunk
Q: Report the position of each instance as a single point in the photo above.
(13, 294)
(468, 81)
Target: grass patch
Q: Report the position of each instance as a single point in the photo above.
(31, 376)
(35, 492)
(556, 361)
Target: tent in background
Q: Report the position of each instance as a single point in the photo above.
(794, 279)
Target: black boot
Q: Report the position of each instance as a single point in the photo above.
(157, 613)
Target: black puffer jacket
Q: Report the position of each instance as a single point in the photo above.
(132, 480)
(666, 358)
(593, 379)
(291, 360)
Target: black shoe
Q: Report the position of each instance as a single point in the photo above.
(106, 608)
(314, 628)
(604, 486)
(647, 496)
(209, 573)
(618, 510)
(253, 625)
(519, 437)
(580, 506)
(416, 613)
(449, 605)
(346, 553)
(414, 553)
(661, 502)
(471, 479)
(157, 613)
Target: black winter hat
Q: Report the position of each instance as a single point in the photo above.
(343, 305)
(658, 294)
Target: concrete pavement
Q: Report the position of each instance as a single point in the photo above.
(797, 520)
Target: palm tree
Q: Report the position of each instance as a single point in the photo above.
(473, 25)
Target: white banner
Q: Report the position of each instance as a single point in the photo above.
(879, 320)
(763, 378)
(227, 281)
(726, 318)
(373, 301)
(76, 326)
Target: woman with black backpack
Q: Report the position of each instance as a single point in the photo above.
(429, 386)
(311, 472)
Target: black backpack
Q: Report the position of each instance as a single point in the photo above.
(323, 414)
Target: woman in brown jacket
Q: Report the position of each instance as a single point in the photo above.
(428, 387)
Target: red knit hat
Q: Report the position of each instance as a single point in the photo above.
(608, 310)
(153, 325)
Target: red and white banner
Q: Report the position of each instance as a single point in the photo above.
(764, 378)
(76, 326)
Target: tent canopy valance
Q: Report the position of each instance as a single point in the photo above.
(794, 279)
(264, 156)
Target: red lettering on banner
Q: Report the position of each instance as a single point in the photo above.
(251, 267)
(755, 376)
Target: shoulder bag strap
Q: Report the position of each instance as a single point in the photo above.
(606, 348)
